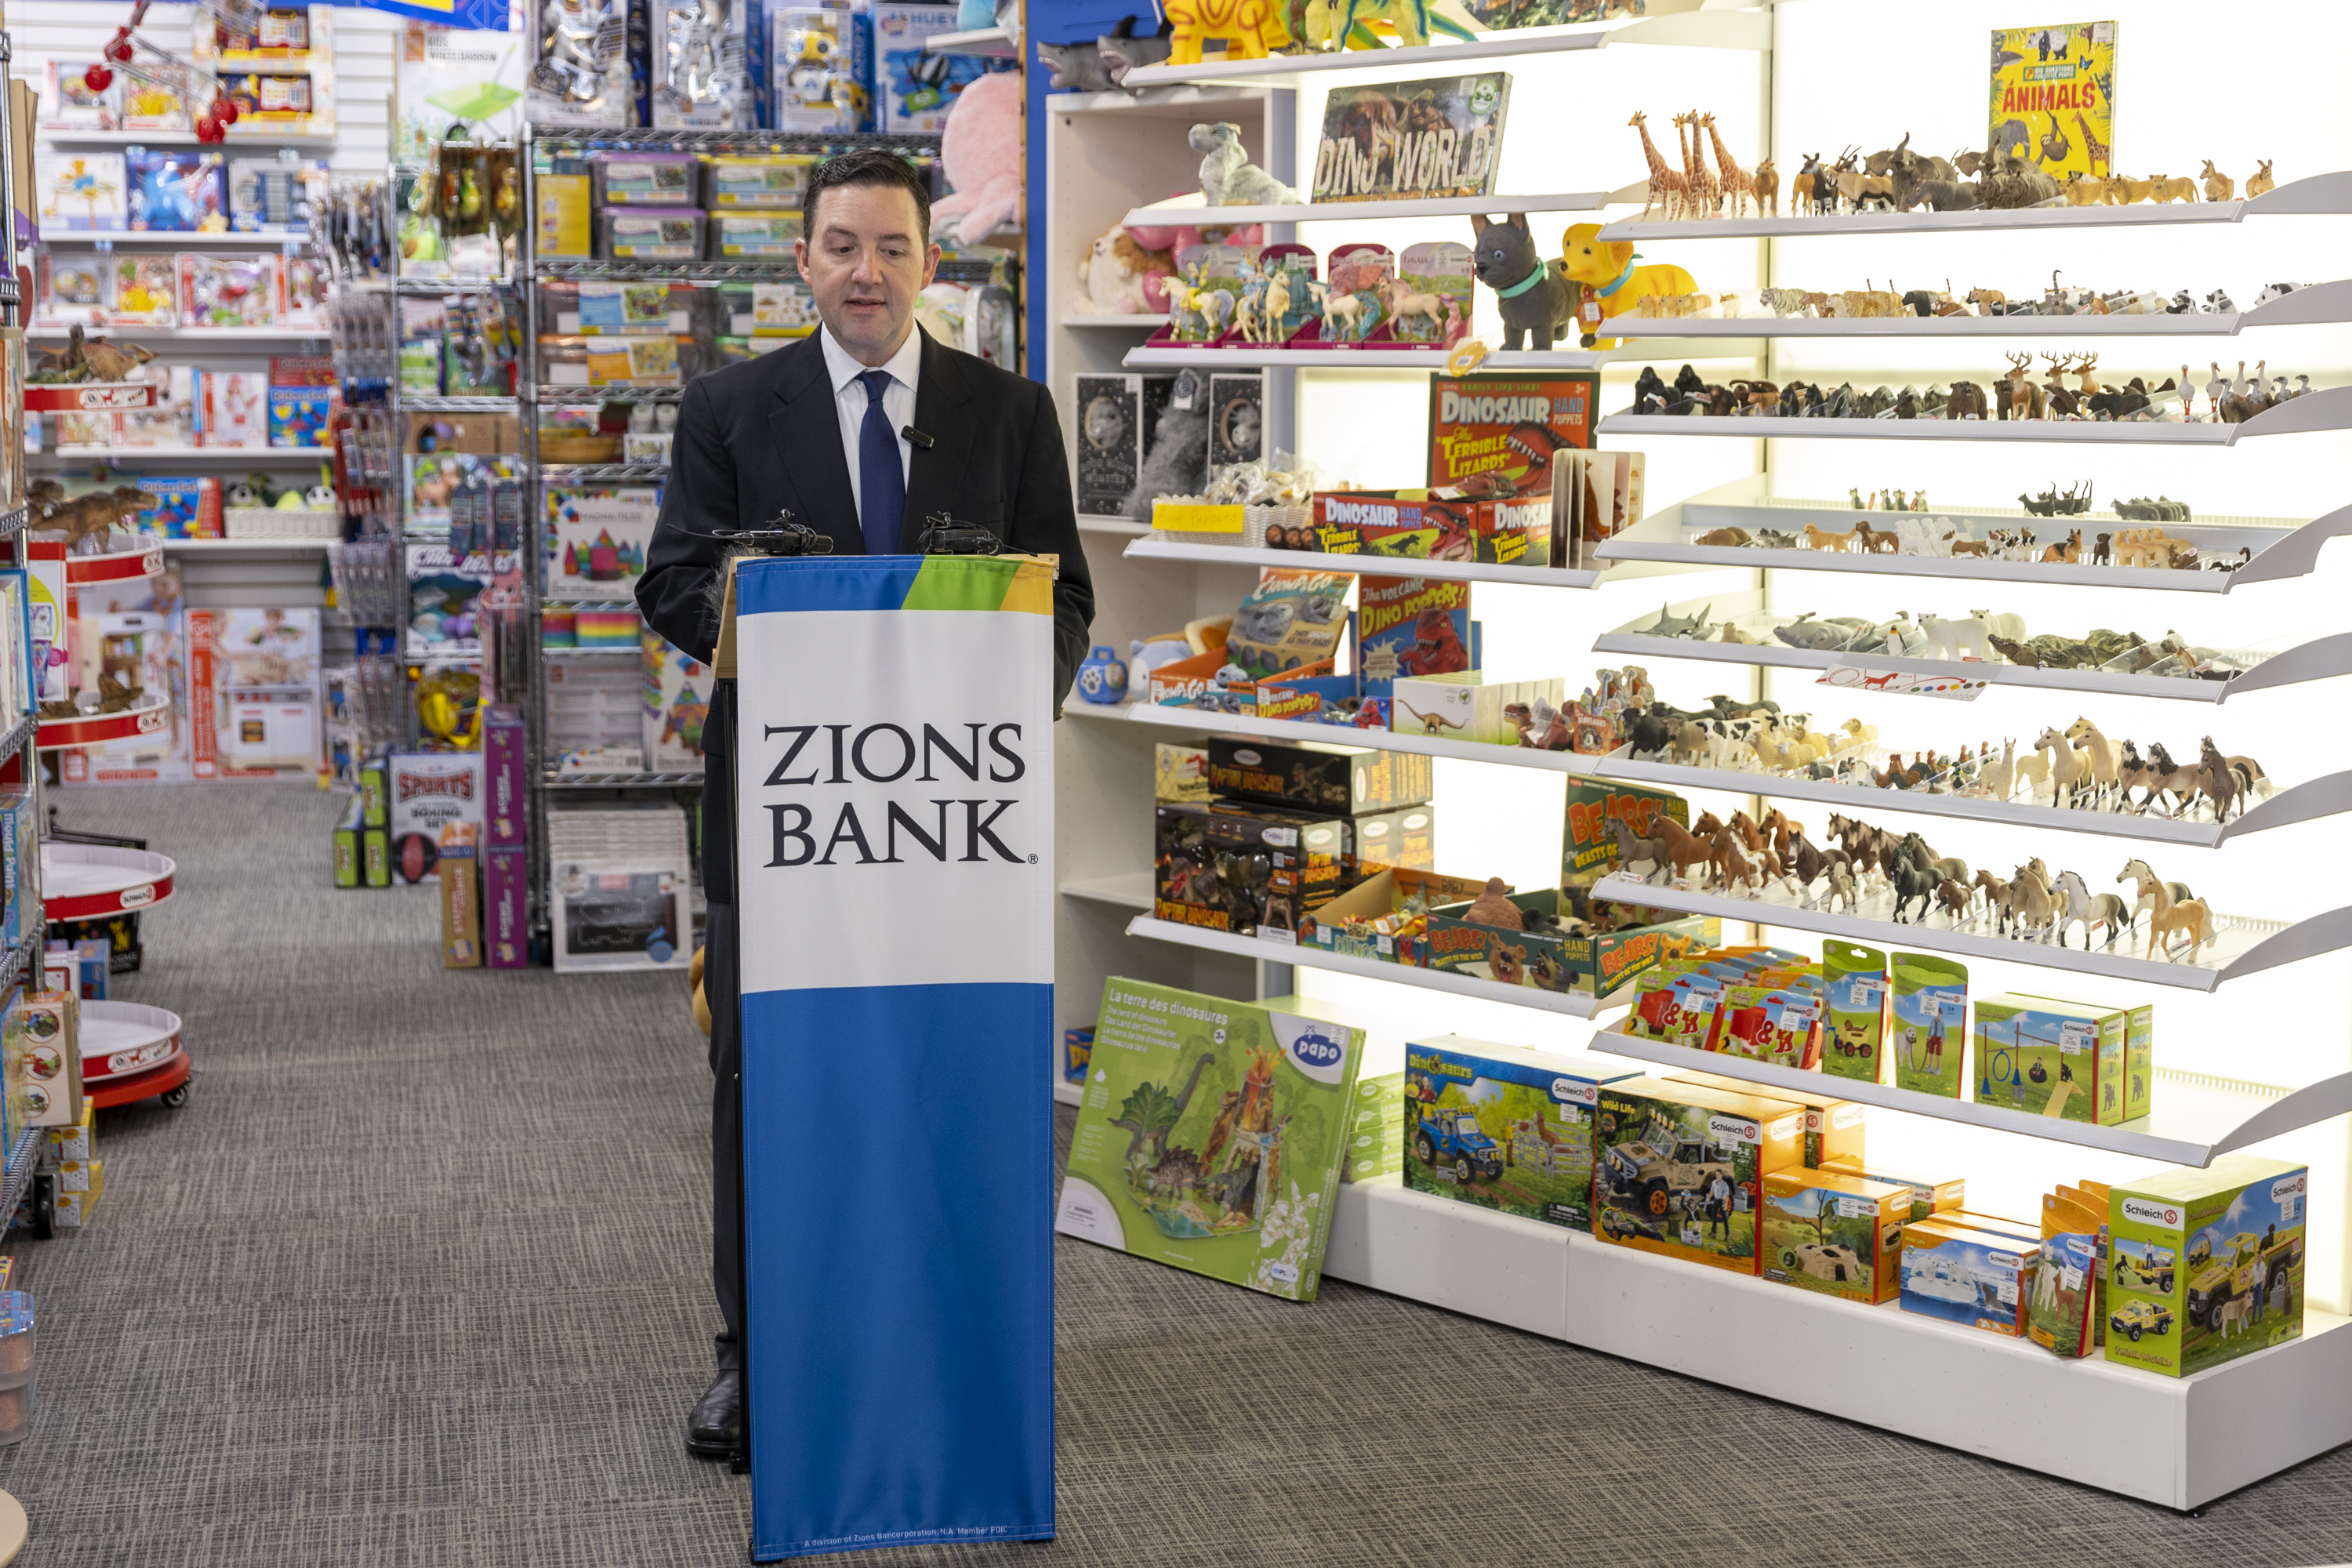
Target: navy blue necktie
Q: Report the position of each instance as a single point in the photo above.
(881, 482)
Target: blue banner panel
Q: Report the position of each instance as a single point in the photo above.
(898, 1173)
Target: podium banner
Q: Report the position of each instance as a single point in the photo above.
(895, 825)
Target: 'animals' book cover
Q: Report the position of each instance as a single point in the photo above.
(1403, 141)
(1212, 1133)
(2053, 98)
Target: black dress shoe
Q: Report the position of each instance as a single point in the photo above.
(715, 1430)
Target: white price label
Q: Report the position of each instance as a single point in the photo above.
(2071, 1278)
(2074, 1038)
(2008, 1293)
(1856, 1208)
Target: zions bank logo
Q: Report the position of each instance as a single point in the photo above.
(949, 829)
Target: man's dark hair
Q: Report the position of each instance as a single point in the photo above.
(867, 166)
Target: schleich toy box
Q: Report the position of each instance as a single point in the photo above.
(2206, 1266)
(1504, 1128)
(1679, 1170)
(1839, 1234)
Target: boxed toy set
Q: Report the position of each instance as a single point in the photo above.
(426, 791)
(1211, 1134)
(1317, 775)
(1498, 432)
(1965, 1275)
(1839, 1234)
(1410, 626)
(1385, 915)
(1470, 705)
(1504, 1128)
(1249, 869)
(2206, 1266)
(1680, 1169)
(2060, 1059)
(1445, 525)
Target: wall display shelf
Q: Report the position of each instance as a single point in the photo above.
(189, 334)
(438, 403)
(2192, 1440)
(631, 651)
(2328, 194)
(281, 546)
(1129, 890)
(2312, 660)
(2196, 1120)
(1188, 209)
(177, 239)
(115, 566)
(1167, 357)
(115, 456)
(1693, 27)
(989, 43)
(590, 396)
(2321, 304)
(1566, 1005)
(2327, 796)
(1206, 721)
(2281, 547)
(621, 781)
(2240, 946)
(240, 134)
(603, 473)
(93, 881)
(1088, 523)
(2323, 408)
(1148, 549)
(567, 140)
(1147, 323)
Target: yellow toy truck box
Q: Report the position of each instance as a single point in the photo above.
(2205, 1265)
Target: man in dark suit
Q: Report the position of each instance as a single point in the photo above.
(861, 431)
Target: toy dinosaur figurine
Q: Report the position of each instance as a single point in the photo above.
(82, 360)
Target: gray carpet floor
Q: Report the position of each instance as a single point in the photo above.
(420, 1277)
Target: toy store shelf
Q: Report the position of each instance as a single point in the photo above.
(602, 473)
(2312, 660)
(2322, 193)
(990, 42)
(1074, 320)
(681, 271)
(569, 138)
(287, 545)
(1131, 890)
(1695, 28)
(16, 1176)
(2321, 304)
(620, 781)
(199, 334)
(2328, 796)
(438, 285)
(1566, 1003)
(115, 566)
(1206, 720)
(150, 716)
(2240, 946)
(115, 455)
(95, 881)
(177, 239)
(1148, 549)
(15, 741)
(2282, 547)
(437, 403)
(88, 396)
(1433, 359)
(2192, 1440)
(2326, 409)
(1088, 523)
(146, 1084)
(13, 520)
(1188, 209)
(592, 397)
(631, 651)
(261, 135)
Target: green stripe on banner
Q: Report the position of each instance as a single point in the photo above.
(962, 583)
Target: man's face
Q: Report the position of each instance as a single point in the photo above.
(866, 262)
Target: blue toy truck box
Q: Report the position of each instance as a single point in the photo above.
(1505, 1128)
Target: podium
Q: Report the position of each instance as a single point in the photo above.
(894, 830)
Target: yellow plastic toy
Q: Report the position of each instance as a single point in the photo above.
(1250, 28)
(1612, 282)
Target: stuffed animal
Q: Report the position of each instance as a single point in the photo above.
(1228, 179)
(1111, 276)
(1612, 282)
(1177, 464)
(981, 151)
(1535, 299)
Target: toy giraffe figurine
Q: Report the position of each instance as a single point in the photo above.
(2095, 150)
(1668, 190)
(1739, 185)
(1706, 195)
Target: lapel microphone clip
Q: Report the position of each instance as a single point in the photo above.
(783, 536)
(943, 535)
(915, 437)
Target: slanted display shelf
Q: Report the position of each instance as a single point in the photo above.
(2321, 304)
(1207, 721)
(2240, 945)
(2323, 408)
(2256, 668)
(2318, 194)
(2195, 1119)
(1563, 1003)
(2275, 548)
(98, 881)
(1179, 357)
(1186, 209)
(150, 715)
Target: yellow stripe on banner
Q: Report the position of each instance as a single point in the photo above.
(1032, 590)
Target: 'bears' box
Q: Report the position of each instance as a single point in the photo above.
(1839, 1234)
(1679, 1170)
(1249, 869)
(1315, 775)
(1962, 1275)
(1504, 1128)
(2206, 1266)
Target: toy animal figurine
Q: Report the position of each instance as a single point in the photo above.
(1804, 188)
(1535, 299)
(1612, 282)
(2025, 400)
(2259, 183)
(2177, 188)
(1227, 177)
(1706, 191)
(2168, 914)
(1122, 51)
(1766, 187)
(2218, 187)
(1669, 188)
(1739, 185)
(1076, 67)
(1249, 28)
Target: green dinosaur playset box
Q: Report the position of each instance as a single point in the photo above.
(1679, 1169)
(2206, 1266)
(1211, 1133)
(1504, 1127)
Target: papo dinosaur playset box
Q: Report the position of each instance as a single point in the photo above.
(2206, 1266)
(1211, 1133)
(1679, 1170)
(1503, 1127)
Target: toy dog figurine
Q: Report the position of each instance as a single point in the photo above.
(1612, 282)
(1535, 297)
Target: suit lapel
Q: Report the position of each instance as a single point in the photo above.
(807, 425)
(937, 479)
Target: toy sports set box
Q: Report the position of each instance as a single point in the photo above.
(1504, 1128)
(1211, 1133)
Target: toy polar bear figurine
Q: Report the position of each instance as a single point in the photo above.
(1114, 273)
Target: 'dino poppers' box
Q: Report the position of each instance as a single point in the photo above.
(1506, 425)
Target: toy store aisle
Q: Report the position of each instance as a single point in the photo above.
(419, 1277)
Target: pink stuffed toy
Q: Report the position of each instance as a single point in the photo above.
(981, 151)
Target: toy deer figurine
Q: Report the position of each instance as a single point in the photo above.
(1706, 195)
(2259, 183)
(2024, 398)
(2087, 383)
(1739, 185)
(1668, 190)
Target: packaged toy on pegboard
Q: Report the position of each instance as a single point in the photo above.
(580, 66)
(702, 78)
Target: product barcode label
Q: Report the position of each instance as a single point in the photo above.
(2074, 1039)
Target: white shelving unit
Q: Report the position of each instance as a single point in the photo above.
(2319, 305)
(174, 239)
(1171, 357)
(2321, 409)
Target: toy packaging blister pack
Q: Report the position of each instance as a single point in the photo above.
(232, 293)
(1504, 1128)
(82, 189)
(2206, 1266)
(812, 69)
(677, 704)
(1855, 997)
(580, 66)
(1679, 1169)
(178, 189)
(1929, 1037)
(2061, 1310)
(146, 291)
(702, 78)
(1839, 1234)
(70, 103)
(918, 89)
(271, 195)
(1245, 1111)
(71, 289)
(1430, 304)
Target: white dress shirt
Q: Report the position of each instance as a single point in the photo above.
(897, 401)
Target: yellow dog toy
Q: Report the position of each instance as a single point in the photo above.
(1612, 282)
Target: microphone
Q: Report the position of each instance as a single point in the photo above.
(915, 437)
